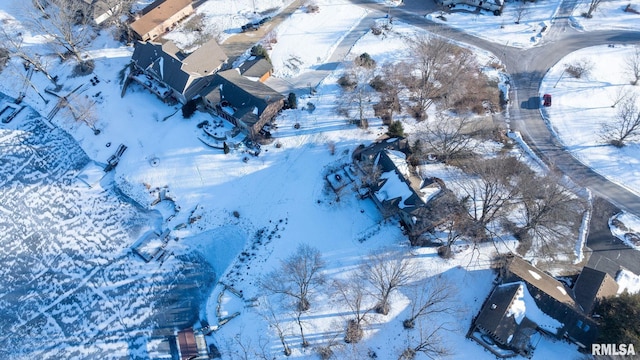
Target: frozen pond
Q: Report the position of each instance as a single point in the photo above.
(70, 286)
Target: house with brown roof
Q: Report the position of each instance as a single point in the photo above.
(549, 306)
(248, 104)
(169, 72)
(160, 18)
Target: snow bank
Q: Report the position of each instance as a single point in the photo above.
(626, 227)
(628, 281)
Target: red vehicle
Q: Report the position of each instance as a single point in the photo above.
(546, 98)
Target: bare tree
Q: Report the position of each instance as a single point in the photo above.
(632, 65)
(13, 42)
(390, 85)
(621, 93)
(242, 348)
(354, 294)
(493, 189)
(625, 126)
(427, 340)
(82, 110)
(548, 207)
(593, 6)
(429, 297)
(359, 95)
(297, 315)
(386, 271)
(522, 9)
(67, 24)
(298, 276)
(448, 136)
(438, 67)
(274, 322)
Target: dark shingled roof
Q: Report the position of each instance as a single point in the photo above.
(591, 285)
(256, 67)
(502, 327)
(173, 67)
(243, 94)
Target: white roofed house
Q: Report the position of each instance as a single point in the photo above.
(169, 72)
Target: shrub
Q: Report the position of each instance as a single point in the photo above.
(259, 50)
(292, 101)
(347, 82)
(365, 60)
(396, 129)
(579, 69)
(325, 352)
(312, 8)
(354, 332)
(189, 108)
(236, 214)
(378, 84)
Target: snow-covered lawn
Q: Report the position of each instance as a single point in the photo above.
(503, 29)
(580, 106)
(307, 39)
(608, 16)
(626, 227)
(235, 214)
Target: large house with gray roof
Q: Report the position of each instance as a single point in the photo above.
(169, 72)
(527, 302)
(248, 104)
(397, 191)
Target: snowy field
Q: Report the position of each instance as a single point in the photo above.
(76, 290)
(608, 16)
(580, 106)
(533, 18)
(520, 25)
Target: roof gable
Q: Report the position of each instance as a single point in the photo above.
(591, 285)
(544, 282)
(243, 94)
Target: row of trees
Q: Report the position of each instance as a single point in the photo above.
(296, 283)
(504, 190)
(439, 72)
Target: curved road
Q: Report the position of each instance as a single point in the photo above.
(527, 68)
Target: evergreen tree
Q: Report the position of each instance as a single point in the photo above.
(620, 319)
(189, 108)
(396, 129)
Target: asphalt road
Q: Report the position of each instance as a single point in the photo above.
(527, 68)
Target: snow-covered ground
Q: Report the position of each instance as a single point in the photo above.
(520, 25)
(581, 106)
(626, 227)
(534, 17)
(234, 216)
(608, 16)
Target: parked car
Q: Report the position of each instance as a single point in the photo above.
(264, 20)
(546, 100)
(250, 26)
